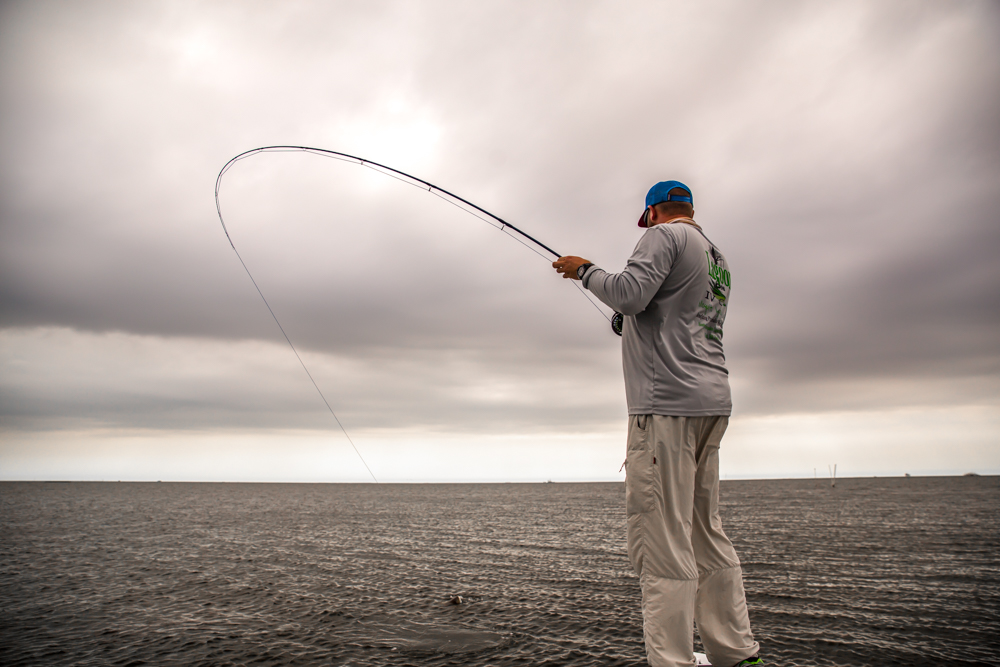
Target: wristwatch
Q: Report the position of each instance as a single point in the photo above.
(583, 269)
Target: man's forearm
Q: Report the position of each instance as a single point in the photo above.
(620, 291)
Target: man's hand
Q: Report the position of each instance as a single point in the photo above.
(568, 265)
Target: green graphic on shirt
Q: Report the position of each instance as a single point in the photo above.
(714, 311)
(710, 318)
(719, 275)
(712, 333)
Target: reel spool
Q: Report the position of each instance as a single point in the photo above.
(617, 320)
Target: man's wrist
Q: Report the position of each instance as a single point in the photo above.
(581, 271)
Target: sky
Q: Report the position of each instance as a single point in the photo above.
(844, 156)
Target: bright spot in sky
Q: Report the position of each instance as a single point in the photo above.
(400, 135)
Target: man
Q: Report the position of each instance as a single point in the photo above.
(673, 293)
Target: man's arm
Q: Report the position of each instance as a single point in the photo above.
(630, 291)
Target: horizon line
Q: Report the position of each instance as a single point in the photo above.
(410, 482)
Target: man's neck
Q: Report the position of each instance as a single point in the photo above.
(679, 218)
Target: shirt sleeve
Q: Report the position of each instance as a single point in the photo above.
(630, 291)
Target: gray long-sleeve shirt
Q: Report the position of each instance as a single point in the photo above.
(674, 292)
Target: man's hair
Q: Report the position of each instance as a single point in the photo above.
(669, 208)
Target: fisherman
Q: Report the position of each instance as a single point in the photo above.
(674, 292)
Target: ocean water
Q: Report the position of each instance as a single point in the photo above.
(873, 572)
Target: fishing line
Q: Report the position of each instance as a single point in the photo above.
(453, 199)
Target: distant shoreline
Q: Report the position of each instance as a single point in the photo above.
(484, 483)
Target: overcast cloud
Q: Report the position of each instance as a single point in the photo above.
(845, 156)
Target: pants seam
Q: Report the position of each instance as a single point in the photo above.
(673, 578)
(718, 569)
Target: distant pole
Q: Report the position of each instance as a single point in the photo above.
(833, 474)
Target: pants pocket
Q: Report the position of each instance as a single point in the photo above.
(640, 471)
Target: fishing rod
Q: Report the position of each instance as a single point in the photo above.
(450, 197)
(389, 171)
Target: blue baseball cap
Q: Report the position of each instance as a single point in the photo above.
(661, 193)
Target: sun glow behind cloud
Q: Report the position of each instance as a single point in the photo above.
(400, 133)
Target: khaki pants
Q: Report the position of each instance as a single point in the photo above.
(688, 570)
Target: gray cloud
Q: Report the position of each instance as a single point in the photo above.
(58, 378)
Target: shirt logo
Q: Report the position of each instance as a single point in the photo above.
(713, 306)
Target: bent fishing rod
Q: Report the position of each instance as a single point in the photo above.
(464, 204)
(389, 171)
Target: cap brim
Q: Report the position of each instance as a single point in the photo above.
(642, 219)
